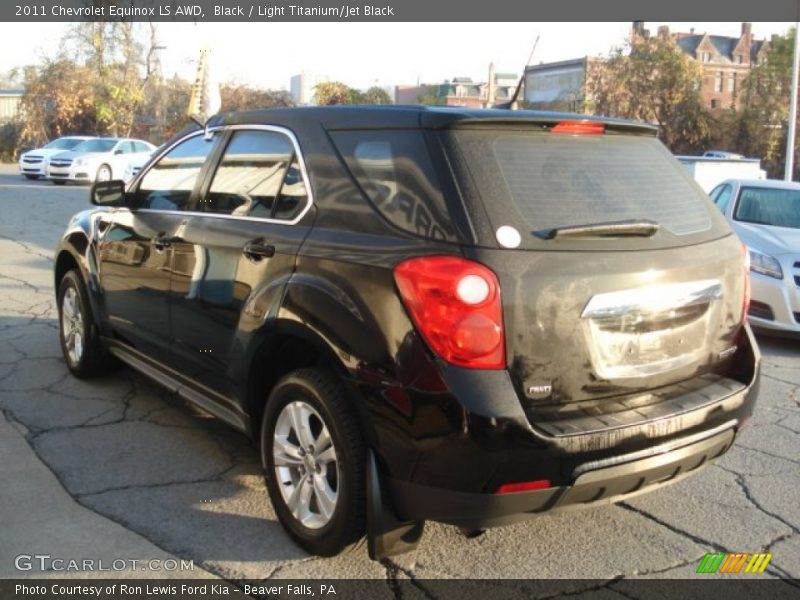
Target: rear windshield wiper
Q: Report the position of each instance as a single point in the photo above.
(631, 227)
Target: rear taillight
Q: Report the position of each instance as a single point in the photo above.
(579, 128)
(524, 486)
(455, 304)
(746, 299)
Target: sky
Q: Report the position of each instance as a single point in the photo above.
(361, 54)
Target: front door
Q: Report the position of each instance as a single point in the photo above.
(135, 249)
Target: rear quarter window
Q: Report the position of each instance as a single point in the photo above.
(394, 170)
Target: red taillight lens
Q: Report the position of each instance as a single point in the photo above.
(746, 300)
(579, 128)
(525, 486)
(455, 304)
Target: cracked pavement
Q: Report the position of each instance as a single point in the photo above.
(142, 463)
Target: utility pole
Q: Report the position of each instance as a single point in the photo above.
(790, 138)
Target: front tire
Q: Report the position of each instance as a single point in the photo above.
(103, 173)
(80, 342)
(58, 181)
(313, 455)
(31, 177)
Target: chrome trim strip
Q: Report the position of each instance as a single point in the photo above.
(655, 298)
(274, 128)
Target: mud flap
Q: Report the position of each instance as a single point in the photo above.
(386, 534)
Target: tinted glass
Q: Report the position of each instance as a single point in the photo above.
(293, 196)
(394, 169)
(169, 183)
(542, 181)
(766, 206)
(95, 146)
(250, 174)
(723, 198)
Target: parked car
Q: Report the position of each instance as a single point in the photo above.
(765, 214)
(722, 154)
(464, 316)
(99, 159)
(135, 165)
(33, 164)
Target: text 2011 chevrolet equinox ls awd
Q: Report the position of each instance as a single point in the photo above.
(462, 316)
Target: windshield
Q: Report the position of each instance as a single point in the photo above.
(63, 144)
(766, 206)
(95, 146)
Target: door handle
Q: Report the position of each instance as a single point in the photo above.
(161, 241)
(258, 249)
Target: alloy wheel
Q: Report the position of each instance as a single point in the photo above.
(72, 325)
(306, 466)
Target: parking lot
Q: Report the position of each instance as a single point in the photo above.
(178, 483)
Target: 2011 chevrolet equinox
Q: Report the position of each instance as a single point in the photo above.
(423, 313)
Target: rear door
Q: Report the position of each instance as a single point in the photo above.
(240, 247)
(135, 249)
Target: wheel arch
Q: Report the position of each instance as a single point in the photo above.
(285, 346)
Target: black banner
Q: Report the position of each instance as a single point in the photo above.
(702, 588)
(397, 10)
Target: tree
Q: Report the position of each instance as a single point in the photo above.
(431, 96)
(328, 93)
(653, 80)
(376, 95)
(56, 102)
(762, 124)
(244, 97)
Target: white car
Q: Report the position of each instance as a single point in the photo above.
(33, 164)
(100, 159)
(765, 214)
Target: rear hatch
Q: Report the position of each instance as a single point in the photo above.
(625, 320)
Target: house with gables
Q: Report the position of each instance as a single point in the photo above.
(726, 61)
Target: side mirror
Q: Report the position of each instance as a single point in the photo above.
(108, 193)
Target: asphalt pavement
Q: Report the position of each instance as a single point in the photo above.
(116, 468)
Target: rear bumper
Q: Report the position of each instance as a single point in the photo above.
(454, 480)
(593, 483)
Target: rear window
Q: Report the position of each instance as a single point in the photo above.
(541, 181)
(394, 170)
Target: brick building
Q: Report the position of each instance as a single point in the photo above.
(461, 91)
(726, 62)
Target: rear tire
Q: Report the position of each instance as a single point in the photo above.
(80, 341)
(318, 492)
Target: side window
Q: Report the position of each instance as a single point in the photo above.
(723, 198)
(258, 176)
(140, 147)
(125, 148)
(395, 170)
(169, 183)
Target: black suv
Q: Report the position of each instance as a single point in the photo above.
(458, 315)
